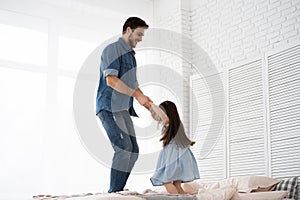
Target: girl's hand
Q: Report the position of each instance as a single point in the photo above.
(158, 114)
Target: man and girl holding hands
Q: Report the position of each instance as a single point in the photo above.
(118, 87)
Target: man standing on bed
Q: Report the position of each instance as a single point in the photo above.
(118, 86)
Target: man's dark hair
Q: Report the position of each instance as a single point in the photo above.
(133, 23)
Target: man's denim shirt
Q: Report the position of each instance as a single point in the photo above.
(117, 60)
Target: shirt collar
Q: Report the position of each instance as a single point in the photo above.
(125, 46)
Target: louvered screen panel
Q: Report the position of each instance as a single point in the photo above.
(284, 111)
(247, 152)
(209, 150)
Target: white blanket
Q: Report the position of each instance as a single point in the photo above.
(218, 194)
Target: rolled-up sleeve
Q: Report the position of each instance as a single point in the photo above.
(136, 84)
(111, 61)
(110, 72)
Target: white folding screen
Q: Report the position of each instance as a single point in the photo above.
(209, 149)
(262, 134)
(245, 127)
(284, 111)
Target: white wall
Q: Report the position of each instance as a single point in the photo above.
(43, 45)
(233, 31)
(175, 17)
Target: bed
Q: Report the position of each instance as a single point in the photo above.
(236, 188)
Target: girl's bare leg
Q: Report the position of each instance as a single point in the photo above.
(178, 187)
(170, 187)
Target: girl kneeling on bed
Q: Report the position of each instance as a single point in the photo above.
(176, 163)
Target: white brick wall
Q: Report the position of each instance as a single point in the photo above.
(233, 31)
(176, 17)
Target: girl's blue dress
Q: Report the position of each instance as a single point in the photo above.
(175, 163)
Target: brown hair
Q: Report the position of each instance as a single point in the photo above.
(175, 129)
(133, 23)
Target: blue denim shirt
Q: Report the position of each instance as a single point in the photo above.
(117, 59)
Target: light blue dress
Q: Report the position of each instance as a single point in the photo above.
(175, 163)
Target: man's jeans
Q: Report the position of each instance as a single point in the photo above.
(120, 131)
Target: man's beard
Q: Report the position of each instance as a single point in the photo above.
(131, 42)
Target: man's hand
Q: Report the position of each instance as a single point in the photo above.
(142, 99)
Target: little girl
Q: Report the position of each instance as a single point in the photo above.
(176, 163)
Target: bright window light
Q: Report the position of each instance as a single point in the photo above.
(73, 52)
(23, 45)
(22, 116)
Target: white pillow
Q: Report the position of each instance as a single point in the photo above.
(271, 195)
(224, 193)
(262, 183)
(194, 186)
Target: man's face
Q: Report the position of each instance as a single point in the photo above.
(135, 36)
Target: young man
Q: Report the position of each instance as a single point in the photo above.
(118, 86)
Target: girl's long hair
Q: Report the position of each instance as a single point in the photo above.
(175, 129)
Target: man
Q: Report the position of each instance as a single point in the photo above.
(118, 86)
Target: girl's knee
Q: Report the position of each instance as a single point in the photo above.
(170, 187)
(178, 187)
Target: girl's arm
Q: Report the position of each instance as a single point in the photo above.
(158, 114)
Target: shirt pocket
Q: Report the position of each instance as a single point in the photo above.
(127, 62)
(128, 70)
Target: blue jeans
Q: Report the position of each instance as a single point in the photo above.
(120, 131)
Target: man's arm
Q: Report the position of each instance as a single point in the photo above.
(120, 86)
